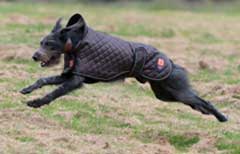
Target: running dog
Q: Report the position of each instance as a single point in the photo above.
(91, 57)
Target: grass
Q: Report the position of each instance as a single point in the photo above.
(180, 141)
(126, 115)
(207, 38)
(168, 33)
(25, 139)
(231, 144)
(183, 142)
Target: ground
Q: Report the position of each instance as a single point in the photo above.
(122, 117)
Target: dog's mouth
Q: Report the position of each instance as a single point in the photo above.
(54, 60)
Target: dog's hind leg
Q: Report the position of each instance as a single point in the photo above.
(54, 80)
(161, 93)
(195, 102)
(177, 88)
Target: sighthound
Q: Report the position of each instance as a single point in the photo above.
(91, 56)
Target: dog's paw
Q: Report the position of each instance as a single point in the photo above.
(223, 118)
(25, 91)
(35, 103)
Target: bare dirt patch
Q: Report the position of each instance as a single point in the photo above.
(18, 19)
(50, 20)
(214, 64)
(205, 145)
(9, 52)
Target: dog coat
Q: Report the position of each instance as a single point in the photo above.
(104, 57)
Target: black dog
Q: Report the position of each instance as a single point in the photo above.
(92, 57)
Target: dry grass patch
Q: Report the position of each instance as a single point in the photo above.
(10, 52)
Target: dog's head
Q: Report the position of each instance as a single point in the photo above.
(60, 40)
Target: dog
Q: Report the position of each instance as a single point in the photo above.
(91, 57)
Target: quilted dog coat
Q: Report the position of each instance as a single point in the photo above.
(104, 57)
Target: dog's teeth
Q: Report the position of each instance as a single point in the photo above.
(43, 64)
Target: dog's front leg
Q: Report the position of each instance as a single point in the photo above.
(69, 85)
(53, 80)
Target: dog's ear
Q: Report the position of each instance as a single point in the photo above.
(76, 26)
(76, 20)
(57, 26)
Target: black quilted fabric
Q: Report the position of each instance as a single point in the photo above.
(104, 57)
(151, 69)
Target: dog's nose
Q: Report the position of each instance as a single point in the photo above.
(35, 57)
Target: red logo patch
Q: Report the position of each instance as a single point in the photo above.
(71, 63)
(160, 62)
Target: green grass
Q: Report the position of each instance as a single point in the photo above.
(136, 30)
(168, 33)
(86, 118)
(179, 141)
(230, 142)
(8, 105)
(207, 38)
(206, 76)
(23, 34)
(183, 142)
(25, 139)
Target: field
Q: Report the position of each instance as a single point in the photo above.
(122, 117)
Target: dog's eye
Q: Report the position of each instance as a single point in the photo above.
(41, 43)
